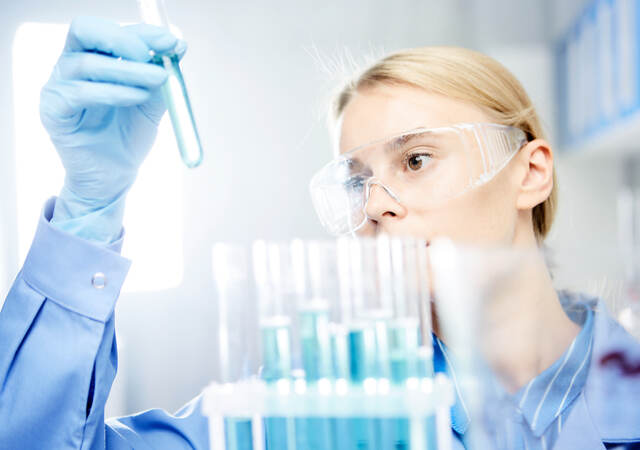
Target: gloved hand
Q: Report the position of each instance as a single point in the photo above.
(101, 108)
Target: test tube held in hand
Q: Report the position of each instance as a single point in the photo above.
(174, 90)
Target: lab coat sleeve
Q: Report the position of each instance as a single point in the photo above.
(58, 354)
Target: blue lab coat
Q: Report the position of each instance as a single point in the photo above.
(58, 359)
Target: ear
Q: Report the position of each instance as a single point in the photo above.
(537, 181)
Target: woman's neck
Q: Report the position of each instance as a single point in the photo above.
(526, 335)
(521, 327)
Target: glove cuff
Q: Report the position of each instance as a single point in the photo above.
(101, 224)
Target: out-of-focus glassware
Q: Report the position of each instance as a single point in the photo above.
(627, 308)
(336, 333)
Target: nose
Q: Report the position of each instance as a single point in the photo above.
(382, 204)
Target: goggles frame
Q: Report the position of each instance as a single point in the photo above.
(497, 145)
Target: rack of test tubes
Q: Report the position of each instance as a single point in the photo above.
(326, 345)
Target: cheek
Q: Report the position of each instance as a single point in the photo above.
(482, 216)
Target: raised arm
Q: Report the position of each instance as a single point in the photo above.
(58, 355)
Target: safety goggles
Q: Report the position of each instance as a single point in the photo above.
(423, 167)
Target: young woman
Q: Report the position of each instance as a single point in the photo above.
(433, 142)
(444, 142)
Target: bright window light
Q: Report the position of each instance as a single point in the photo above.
(153, 218)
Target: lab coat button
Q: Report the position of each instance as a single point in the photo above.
(99, 280)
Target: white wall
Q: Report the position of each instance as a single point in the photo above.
(259, 94)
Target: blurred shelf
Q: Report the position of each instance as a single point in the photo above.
(619, 140)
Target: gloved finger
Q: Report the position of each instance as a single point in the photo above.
(64, 99)
(180, 49)
(158, 39)
(102, 68)
(104, 36)
(155, 107)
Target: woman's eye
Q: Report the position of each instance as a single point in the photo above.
(416, 162)
(355, 184)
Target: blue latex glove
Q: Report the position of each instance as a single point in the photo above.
(101, 108)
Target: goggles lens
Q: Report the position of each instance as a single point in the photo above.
(422, 167)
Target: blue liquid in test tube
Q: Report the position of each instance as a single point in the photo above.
(385, 427)
(276, 348)
(362, 347)
(175, 95)
(315, 340)
(362, 365)
(403, 349)
(315, 433)
(339, 351)
(340, 370)
(403, 358)
(276, 365)
(238, 433)
(174, 91)
(425, 370)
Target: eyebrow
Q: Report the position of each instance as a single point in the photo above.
(405, 139)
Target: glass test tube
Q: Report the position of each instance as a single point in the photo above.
(495, 284)
(311, 279)
(627, 308)
(339, 351)
(314, 314)
(425, 352)
(174, 91)
(338, 329)
(404, 328)
(362, 333)
(275, 331)
(361, 344)
(230, 264)
(275, 324)
(376, 310)
(315, 341)
(379, 308)
(341, 428)
(409, 293)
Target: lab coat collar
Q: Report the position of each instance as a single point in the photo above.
(546, 396)
(579, 431)
(577, 309)
(607, 408)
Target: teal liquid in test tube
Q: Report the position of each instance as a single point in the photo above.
(315, 433)
(315, 341)
(403, 349)
(174, 91)
(276, 365)
(238, 434)
(270, 267)
(312, 275)
(229, 274)
(276, 348)
(403, 359)
(362, 366)
(338, 338)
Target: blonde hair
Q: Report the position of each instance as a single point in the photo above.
(465, 75)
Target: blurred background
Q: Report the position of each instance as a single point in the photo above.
(260, 76)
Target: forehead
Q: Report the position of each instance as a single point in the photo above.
(382, 111)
